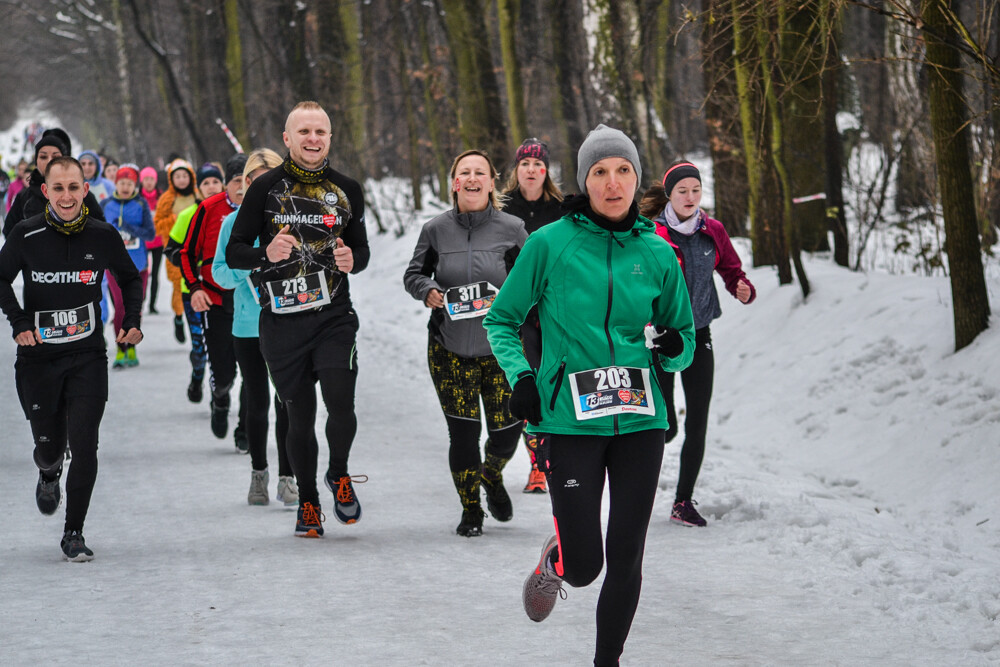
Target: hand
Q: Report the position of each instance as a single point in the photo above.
(133, 337)
(525, 403)
(281, 246)
(200, 301)
(743, 291)
(28, 338)
(343, 256)
(665, 340)
(434, 299)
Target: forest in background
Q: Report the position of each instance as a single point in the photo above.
(781, 94)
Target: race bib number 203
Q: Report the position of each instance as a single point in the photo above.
(615, 390)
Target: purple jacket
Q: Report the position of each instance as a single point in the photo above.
(727, 262)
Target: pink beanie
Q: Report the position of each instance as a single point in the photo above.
(148, 171)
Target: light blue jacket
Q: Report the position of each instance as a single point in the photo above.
(132, 219)
(246, 308)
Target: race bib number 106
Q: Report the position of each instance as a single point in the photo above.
(615, 390)
(65, 326)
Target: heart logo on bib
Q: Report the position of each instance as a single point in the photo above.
(477, 304)
(624, 395)
(71, 329)
(303, 297)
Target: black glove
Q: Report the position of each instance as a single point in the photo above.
(668, 342)
(525, 403)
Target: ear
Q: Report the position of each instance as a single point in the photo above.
(86, 188)
(45, 190)
(284, 137)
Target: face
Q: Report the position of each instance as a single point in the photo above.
(686, 197)
(65, 189)
(45, 156)
(22, 168)
(180, 178)
(125, 188)
(110, 172)
(89, 165)
(531, 175)
(210, 186)
(611, 185)
(473, 183)
(307, 137)
(149, 183)
(234, 189)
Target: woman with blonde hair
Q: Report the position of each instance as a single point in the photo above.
(461, 259)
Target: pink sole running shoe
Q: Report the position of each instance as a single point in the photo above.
(543, 586)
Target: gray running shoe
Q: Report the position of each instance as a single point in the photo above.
(258, 488)
(47, 493)
(288, 490)
(542, 586)
(74, 548)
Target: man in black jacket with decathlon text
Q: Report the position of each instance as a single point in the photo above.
(310, 223)
(61, 370)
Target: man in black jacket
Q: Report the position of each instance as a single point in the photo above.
(61, 370)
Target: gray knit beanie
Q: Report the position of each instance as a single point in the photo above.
(602, 142)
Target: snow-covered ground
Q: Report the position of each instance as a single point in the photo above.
(849, 483)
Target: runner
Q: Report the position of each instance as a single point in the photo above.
(100, 187)
(309, 220)
(208, 297)
(179, 195)
(246, 340)
(151, 193)
(61, 370)
(462, 257)
(599, 276)
(534, 197)
(703, 247)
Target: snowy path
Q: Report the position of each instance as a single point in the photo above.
(848, 483)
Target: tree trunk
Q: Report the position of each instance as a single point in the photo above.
(654, 65)
(615, 58)
(508, 12)
(234, 73)
(433, 92)
(951, 147)
(832, 142)
(576, 108)
(413, 135)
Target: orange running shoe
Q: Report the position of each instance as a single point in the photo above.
(536, 481)
(346, 507)
(309, 522)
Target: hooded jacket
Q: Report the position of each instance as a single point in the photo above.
(134, 222)
(456, 249)
(101, 187)
(165, 215)
(596, 290)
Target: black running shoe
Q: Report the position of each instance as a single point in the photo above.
(497, 499)
(74, 548)
(179, 328)
(194, 391)
(240, 439)
(471, 524)
(220, 416)
(47, 493)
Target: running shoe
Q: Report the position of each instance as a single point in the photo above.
(179, 328)
(47, 493)
(309, 521)
(543, 586)
(194, 391)
(536, 481)
(119, 361)
(153, 310)
(220, 415)
(497, 499)
(685, 514)
(74, 547)
(288, 490)
(240, 440)
(346, 507)
(258, 488)
(130, 359)
(471, 524)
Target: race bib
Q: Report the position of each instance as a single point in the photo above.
(611, 391)
(292, 295)
(131, 242)
(468, 301)
(65, 326)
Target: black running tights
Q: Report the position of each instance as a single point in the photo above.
(219, 341)
(337, 386)
(258, 401)
(78, 419)
(697, 381)
(578, 466)
(464, 434)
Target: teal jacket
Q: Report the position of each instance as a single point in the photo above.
(596, 291)
(246, 308)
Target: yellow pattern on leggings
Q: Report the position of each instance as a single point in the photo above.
(461, 381)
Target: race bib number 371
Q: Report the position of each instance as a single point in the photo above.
(468, 301)
(615, 390)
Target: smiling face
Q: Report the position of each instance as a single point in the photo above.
(210, 186)
(686, 197)
(611, 185)
(472, 183)
(65, 189)
(531, 177)
(234, 188)
(307, 137)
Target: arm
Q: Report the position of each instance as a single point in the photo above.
(355, 236)
(672, 308)
(225, 275)
(417, 278)
(176, 235)
(10, 266)
(240, 251)
(729, 265)
(190, 254)
(145, 231)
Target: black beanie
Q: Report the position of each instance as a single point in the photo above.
(61, 135)
(234, 167)
(207, 170)
(678, 173)
(50, 140)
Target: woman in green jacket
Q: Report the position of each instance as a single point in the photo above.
(612, 302)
